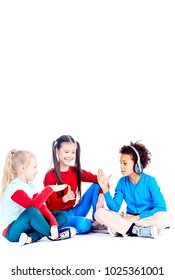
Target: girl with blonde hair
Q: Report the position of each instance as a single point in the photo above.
(24, 215)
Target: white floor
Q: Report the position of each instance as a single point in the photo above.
(92, 251)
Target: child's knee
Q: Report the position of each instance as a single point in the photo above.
(99, 214)
(95, 187)
(33, 211)
(84, 226)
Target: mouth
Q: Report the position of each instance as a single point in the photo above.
(68, 159)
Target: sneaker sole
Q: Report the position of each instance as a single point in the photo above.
(154, 232)
(66, 233)
(114, 234)
(99, 231)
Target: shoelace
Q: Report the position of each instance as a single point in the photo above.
(145, 232)
(64, 234)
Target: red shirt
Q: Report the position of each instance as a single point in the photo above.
(37, 201)
(55, 202)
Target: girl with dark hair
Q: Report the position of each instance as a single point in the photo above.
(65, 151)
(146, 211)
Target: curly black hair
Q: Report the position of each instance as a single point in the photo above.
(144, 153)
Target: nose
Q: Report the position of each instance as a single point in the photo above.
(69, 155)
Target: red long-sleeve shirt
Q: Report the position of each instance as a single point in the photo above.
(55, 201)
(37, 201)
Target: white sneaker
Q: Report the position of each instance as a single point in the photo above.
(66, 233)
(24, 239)
(112, 233)
(150, 232)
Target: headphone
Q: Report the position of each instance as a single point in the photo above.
(138, 167)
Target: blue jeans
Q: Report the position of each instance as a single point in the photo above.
(32, 222)
(76, 215)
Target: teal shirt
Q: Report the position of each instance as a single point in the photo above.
(10, 210)
(143, 199)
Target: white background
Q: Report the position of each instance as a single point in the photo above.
(101, 71)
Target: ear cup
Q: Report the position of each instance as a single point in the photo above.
(138, 168)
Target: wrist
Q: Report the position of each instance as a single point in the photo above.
(65, 199)
(105, 189)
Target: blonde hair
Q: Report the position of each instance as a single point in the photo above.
(14, 159)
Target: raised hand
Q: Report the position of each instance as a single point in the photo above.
(103, 180)
(69, 196)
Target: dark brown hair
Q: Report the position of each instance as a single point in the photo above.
(57, 145)
(144, 153)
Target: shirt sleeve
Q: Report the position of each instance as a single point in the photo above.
(114, 203)
(91, 178)
(48, 215)
(55, 200)
(36, 201)
(158, 201)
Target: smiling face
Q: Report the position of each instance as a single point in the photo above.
(66, 154)
(126, 165)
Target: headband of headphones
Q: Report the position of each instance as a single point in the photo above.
(138, 166)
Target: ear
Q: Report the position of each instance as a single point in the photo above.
(22, 168)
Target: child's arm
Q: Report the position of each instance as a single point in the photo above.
(91, 178)
(100, 202)
(48, 215)
(37, 200)
(103, 180)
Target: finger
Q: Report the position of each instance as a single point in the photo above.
(61, 187)
(99, 170)
(102, 172)
(69, 189)
(109, 177)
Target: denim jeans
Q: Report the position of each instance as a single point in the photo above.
(33, 223)
(76, 215)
